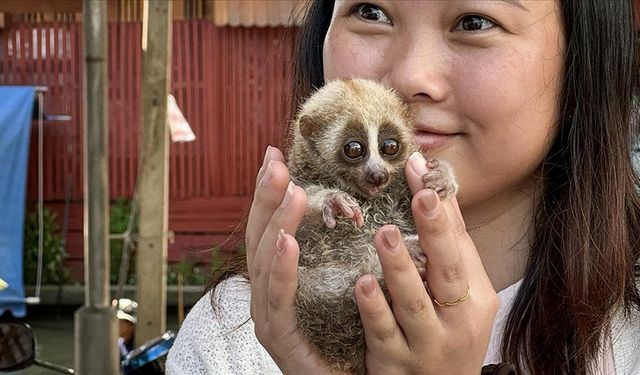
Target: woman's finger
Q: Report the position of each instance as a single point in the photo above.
(445, 271)
(271, 183)
(411, 304)
(280, 334)
(452, 209)
(381, 331)
(415, 168)
(286, 217)
(470, 257)
(271, 153)
(281, 292)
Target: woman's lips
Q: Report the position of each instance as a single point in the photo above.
(428, 141)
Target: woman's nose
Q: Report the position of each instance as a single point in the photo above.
(419, 70)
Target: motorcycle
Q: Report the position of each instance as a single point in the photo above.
(18, 351)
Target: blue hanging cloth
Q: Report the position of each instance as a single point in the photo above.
(16, 106)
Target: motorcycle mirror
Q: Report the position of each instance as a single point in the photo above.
(17, 346)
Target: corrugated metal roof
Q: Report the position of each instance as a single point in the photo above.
(245, 13)
(256, 12)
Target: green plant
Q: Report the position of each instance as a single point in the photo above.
(53, 269)
(118, 222)
(193, 273)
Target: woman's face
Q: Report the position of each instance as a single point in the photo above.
(482, 77)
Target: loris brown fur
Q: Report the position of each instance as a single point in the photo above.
(350, 144)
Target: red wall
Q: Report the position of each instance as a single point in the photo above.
(231, 84)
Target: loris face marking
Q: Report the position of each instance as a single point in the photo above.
(369, 156)
(359, 132)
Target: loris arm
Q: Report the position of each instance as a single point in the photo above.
(325, 204)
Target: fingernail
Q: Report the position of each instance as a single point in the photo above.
(417, 163)
(429, 204)
(268, 155)
(268, 173)
(280, 243)
(287, 195)
(368, 286)
(391, 237)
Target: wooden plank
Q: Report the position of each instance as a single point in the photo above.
(73, 56)
(187, 160)
(204, 113)
(40, 6)
(153, 224)
(124, 103)
(236, 138)
(133, 47)
(77, 72)
(258, 64)
(112, 10)
(137, 114)
(215, 111)
(224, 93)
(197, 96)
(245, 119)
(178, 10)
(176, 150)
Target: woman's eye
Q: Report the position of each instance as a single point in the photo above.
(353, 150)
(474, 23)
(390, 147)
(371, 13)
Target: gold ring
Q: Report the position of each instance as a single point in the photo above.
(452, 303)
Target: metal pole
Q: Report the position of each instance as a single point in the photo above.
(151, 254)
(96, 326)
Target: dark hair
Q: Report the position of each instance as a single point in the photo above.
(586, 239)
(586, 232)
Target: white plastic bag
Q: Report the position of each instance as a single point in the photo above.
(178, 125)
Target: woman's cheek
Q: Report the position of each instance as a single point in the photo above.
(348, 55)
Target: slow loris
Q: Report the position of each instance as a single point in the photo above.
(350, 142)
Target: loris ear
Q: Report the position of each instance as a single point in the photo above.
(308, 125)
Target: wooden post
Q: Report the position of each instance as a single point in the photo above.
(180, 298)
(96, 327)
(154, 184)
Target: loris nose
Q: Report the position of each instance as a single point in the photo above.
(378, 178)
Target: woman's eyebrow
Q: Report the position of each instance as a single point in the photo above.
(516, 3)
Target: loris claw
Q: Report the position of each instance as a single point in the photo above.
(341, 203)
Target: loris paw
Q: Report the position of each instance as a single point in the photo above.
(341, 203)
(415, 250)
(439, 178)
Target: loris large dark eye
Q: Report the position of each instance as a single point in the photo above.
(353, 150)
(390, 147)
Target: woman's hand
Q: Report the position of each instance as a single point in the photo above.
(272, 259)
(415, 334)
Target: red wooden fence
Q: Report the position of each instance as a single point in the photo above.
(230, 84)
